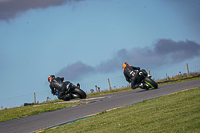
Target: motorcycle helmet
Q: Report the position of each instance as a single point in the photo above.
(125, 65)
(50, 78)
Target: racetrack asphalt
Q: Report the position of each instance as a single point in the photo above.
(94, 105)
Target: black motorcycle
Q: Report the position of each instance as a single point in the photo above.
(74, 91)
(144, 78)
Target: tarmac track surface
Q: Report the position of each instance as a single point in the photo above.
(94, 105)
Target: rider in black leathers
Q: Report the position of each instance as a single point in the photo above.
(128, 70)
(60, 86)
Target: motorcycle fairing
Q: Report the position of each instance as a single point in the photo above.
(69, 86)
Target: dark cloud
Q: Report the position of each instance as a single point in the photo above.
(164, 52)
(176, 51)
(75, 71)
(9, 9)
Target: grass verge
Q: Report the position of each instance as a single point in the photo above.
(13, 113)
(178, 112)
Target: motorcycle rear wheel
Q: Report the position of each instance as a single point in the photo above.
(151, 82)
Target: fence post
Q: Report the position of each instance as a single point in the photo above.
(187, 69)
(34, 98)
(149, 72)
(109, 84)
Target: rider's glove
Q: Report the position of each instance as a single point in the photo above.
(78, 85)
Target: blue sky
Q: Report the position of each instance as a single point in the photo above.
(88, 40)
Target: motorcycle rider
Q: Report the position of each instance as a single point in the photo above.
(57, 85)
(131, 75)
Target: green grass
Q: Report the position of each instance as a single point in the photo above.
(179, 78)
(178, 112)
(109, 92)
(13, 113)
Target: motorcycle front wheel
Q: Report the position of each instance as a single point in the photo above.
(78, 93)
(151, 83)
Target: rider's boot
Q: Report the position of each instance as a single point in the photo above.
(141, 85)
(147, 86)
(135, 86)
(67, 97)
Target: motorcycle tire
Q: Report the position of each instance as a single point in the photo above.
(151, 82)
(81, 94)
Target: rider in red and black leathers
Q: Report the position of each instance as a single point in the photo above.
(128, 70)
(60, 86)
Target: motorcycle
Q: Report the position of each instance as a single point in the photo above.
(144, 78)
(74, 91)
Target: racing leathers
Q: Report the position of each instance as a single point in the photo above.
(131, 75)
(57, 85)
